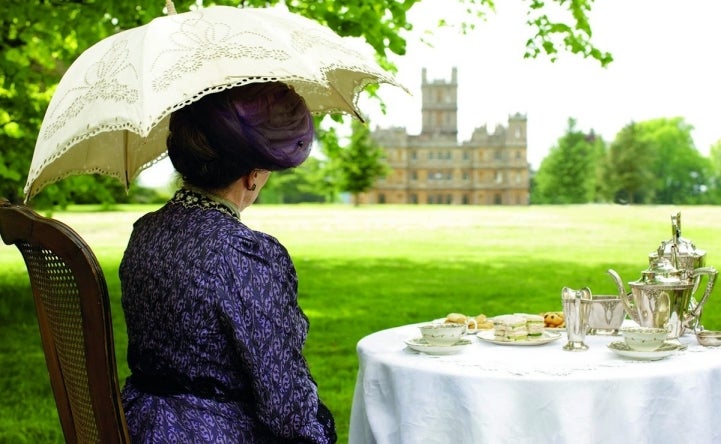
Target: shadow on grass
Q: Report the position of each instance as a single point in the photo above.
(345, 301)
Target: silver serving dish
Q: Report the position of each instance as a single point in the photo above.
(709, 338)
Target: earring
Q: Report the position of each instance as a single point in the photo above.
(252, 188)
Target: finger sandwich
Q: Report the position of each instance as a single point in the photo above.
(510, 328)
(535, 324)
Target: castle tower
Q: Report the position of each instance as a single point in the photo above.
(440, 105)
(516, 134)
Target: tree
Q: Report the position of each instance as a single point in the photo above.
(295, 185)
(569, 173)
(680, 171)
(714, 180)
(628, 168)
(655, 161)
(361, 162)
(39, 39)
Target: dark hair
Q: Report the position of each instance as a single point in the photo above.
(226, 135)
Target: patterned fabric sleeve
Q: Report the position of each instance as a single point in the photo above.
(269, 330)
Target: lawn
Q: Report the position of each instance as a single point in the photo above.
(367, 268)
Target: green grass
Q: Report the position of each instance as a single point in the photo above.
(369, 268)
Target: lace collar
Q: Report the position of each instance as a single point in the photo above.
(195, 198)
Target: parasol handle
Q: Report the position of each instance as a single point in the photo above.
(170, 7)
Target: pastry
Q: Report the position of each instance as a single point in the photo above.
(480, 322)
(554, 319)
(456, 318)
(483, 323)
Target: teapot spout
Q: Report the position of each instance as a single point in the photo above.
(619, 283)
(623, 295)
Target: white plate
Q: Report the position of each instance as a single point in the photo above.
(555, 329)
(420, 344)
(545, 338)
(622, 349)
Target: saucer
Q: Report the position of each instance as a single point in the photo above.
(420, 345)
(667, 349)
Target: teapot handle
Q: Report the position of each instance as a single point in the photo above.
(711, 273)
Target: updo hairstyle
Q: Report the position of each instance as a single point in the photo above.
(226, 135)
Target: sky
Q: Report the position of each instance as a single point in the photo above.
(665, 65)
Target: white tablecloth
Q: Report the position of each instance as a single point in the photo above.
(533, 394)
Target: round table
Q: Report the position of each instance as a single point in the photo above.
(492, 393)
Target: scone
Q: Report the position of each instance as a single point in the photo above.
(553, 319)
(483, 323)
(456, 318)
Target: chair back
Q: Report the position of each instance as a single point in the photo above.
(73, 310)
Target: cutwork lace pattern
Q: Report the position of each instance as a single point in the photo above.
(131, 81)
(481, 364)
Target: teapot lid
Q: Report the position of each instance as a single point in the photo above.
(677, 245)
(662, 271)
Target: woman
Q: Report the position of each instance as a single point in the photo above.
(214, 328)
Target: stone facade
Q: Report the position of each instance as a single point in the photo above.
(434, 168)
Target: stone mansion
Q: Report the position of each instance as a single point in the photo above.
(434, 168)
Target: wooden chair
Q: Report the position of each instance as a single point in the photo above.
(73, 310)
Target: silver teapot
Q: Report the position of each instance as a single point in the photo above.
(661, 297)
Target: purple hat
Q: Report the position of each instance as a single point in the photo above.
(225, 135)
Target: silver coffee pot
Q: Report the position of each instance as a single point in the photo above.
(683, 255)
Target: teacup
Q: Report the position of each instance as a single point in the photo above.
(644, 338)
(442, 334)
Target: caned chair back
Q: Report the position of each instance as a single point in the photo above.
(73, 310)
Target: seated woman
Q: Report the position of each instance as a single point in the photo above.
(214, 328)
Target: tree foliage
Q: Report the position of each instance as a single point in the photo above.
(714, 180)
(300, 184)
(361, 162)
(679, 170)
(569, 173)
(648, 162)
(40, 38)
(628, 172)
(655, 161)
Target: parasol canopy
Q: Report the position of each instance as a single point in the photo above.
(110, 112)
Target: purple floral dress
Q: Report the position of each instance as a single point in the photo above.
(215, 332)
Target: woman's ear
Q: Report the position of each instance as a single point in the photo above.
(249, 180)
